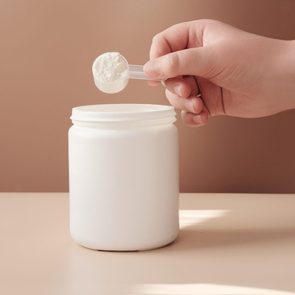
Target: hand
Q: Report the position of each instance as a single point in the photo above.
(234, 72)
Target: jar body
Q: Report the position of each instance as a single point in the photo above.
(123, 187)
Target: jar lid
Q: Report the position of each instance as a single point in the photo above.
(122, 112)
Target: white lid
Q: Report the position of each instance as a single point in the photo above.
(122, 112)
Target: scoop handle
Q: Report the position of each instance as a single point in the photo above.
(136, 72)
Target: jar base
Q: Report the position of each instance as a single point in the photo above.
(136, 249)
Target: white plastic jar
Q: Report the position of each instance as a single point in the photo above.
(123, 169)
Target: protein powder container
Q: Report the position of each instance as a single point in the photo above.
(123, 170)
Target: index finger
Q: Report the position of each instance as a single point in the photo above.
(176, 37)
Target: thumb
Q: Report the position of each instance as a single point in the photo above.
(193, 61)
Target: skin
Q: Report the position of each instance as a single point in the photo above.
(237, 73)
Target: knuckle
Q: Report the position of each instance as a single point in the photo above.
(173, 63)
(157, 38)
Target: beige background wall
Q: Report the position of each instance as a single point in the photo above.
(46, 51)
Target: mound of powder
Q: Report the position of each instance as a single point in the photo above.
(110, 72)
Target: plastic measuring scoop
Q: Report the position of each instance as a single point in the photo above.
(136, 72)
(111, 72)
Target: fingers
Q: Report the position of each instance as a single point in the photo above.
(192, 61)
(182, 86)
(181, 93)
(172, 39)
(194, 111)
(193, 105)
(177, 37)
(213, 96)
(195, 120)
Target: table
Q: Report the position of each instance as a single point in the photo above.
(228, 244)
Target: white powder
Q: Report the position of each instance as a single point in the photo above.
(110, 72)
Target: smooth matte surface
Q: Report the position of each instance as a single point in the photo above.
(47, 51)
(229, 244)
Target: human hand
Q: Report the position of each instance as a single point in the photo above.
(210, 68)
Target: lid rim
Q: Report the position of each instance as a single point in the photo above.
(108, 113)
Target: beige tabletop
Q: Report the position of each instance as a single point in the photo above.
(228, 244)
